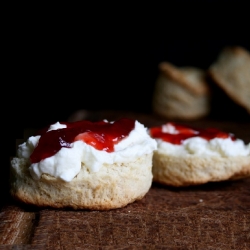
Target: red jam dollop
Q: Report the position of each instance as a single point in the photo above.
(101, 135)
(185, 132)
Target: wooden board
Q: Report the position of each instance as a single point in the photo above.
(211, 216)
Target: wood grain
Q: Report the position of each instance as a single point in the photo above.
(16, 225)
(211, 216)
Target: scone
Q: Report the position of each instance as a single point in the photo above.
(84, 165)
(181, 93)
(231, 72)
(190, 156)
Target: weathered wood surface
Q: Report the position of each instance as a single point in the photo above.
(211, 216)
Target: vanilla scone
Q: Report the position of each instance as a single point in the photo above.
(84, 165)
(181, 92)
(231, 72)
(186, 156)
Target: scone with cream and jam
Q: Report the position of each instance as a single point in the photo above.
(84, 165)
(190, 156)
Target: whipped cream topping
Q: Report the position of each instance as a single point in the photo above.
(67, 162)
(201, 147)
(196, 145)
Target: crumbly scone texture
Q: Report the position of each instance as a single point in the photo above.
(173, 100)
(190, 170)
(231, 72)
(113, 186)
(192, 79)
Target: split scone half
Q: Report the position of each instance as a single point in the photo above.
(187, 156)
(84, 165)
(231, 72)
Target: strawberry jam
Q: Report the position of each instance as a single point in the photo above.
(182, 133)
(101, 135)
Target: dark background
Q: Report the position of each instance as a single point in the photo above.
(105, 57)
(57, 79)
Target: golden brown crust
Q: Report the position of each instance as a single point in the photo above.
(194, 170)
(231, 72)
(172, 100)
(191, 78)
(114, 186)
